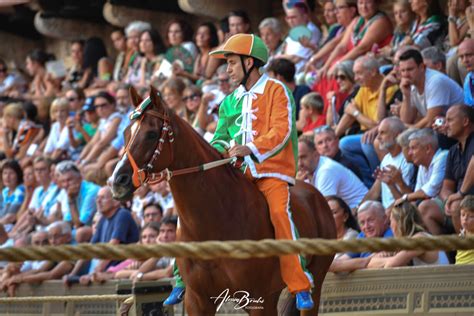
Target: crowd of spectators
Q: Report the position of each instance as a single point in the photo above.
(384, 111)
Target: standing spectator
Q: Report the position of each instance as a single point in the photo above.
(346, 224)
(284, 70)
(467, 224)
(405, 221)
(13, 193)
(466, 55)
(421, 94)
(239, 22)
(328, 176)
(77, 198)
(387, 187)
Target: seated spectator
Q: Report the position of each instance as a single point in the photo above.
(460, 126)
(77, 76)
(328, 176)
(300, 51)
(431, 162)
(403, 139)
(458, 31)
(172, 91)
(141, 197)
(373, 223)
(76, 99)
(158, 268)
(192, 96)
(404, 20)
(330, 25)
(40, 86)
(59, 233)
(29, 182)
(338, 100)
(394, 172)
(77, 197)
(40, 210)
(83, 126)
(311, 113)
(271, 32)
(239, 22)
(8, 81)
(181, 50)
(422, 98)
(132, 32)
(363, 110)
(165, 198)
(13, 114)
(96, 63)
(429, 26)
(346, 224)
(467, 225)
(107, 130)
(58, 146)
(120, 45)
(466, 56)
(327, 144)
(13, 193)
(152, 213)
(405, 221)
(116, 226)
(284, 70)
(434, 58)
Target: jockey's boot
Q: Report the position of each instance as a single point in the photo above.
(304, 301)
(176, 296)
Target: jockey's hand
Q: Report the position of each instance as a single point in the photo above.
(239, 151)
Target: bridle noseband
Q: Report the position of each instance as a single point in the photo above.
(144, 175)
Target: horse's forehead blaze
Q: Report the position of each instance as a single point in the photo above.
(134, 128)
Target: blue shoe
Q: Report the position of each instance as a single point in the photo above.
(176, 296)
(304, 301)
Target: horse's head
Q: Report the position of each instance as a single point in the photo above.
(148, 146)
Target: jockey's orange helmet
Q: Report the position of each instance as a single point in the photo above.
(243, 44)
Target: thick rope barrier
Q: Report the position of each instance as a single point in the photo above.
(241, 249)
(62, 299)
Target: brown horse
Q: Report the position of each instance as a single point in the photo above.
(218, 204)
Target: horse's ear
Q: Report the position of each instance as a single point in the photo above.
(154, 96)
(136, 98)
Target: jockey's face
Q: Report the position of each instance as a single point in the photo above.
(234, 67)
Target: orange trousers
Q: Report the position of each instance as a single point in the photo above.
(277, 193)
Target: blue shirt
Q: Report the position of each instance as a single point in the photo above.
(468, 90)
(11, 201)
(388, 233)
(44, 199)
(120, 226)
(85, 203)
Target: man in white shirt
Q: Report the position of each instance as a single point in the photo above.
(327, 175)
(426, 93)
(423, 148)
(388, 187)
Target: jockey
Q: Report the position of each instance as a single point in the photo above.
(259, 116)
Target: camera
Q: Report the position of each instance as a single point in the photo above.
(439, 122)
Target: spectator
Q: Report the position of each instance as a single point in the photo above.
(116, 226)
(405, 221)
(327, 144)
(83, 126)
(40, 210)
(458, 30)
(77, 197)
(181, 50)
(107, 130)
(404, 20)
(467, 224)
(155, 269)
(239, 22)
(311, 113)
(57, 145)
(403, 139)
(423, 149)
(434, 58)
(8, 81)
(141, 197)
(13, 114)
(133, 31)
(460, 126)
(373, 222)
(152, 213)
(429, 25)
(76, 76)
(346, 224)
(97, 67)
(120, 45)
(59, 233)
(394, 173)
(76, 98)
(328, 176)
(284, 70)
(172, 90)
(271, 32)
(331, 26)
(299, 51)
(29, 182)
(36, 67)
(164, 196)
(421, 94)
(466, 55)
(13, 193)
(192, 96)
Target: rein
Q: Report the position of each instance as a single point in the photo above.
(144, 175)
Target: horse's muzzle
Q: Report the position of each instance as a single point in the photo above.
(122, 192)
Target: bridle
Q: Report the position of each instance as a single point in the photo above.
(144, 175)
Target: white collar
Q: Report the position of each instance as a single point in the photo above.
(257, 88)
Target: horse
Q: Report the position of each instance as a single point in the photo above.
(217, 204)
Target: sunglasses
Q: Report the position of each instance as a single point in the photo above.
(192, 97)
(101, 105)
(223, 80)
(341, 77)
(322, 129)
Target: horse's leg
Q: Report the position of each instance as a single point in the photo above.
(267, 308)
(195, 305)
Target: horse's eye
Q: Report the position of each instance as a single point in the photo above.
(151, 135)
